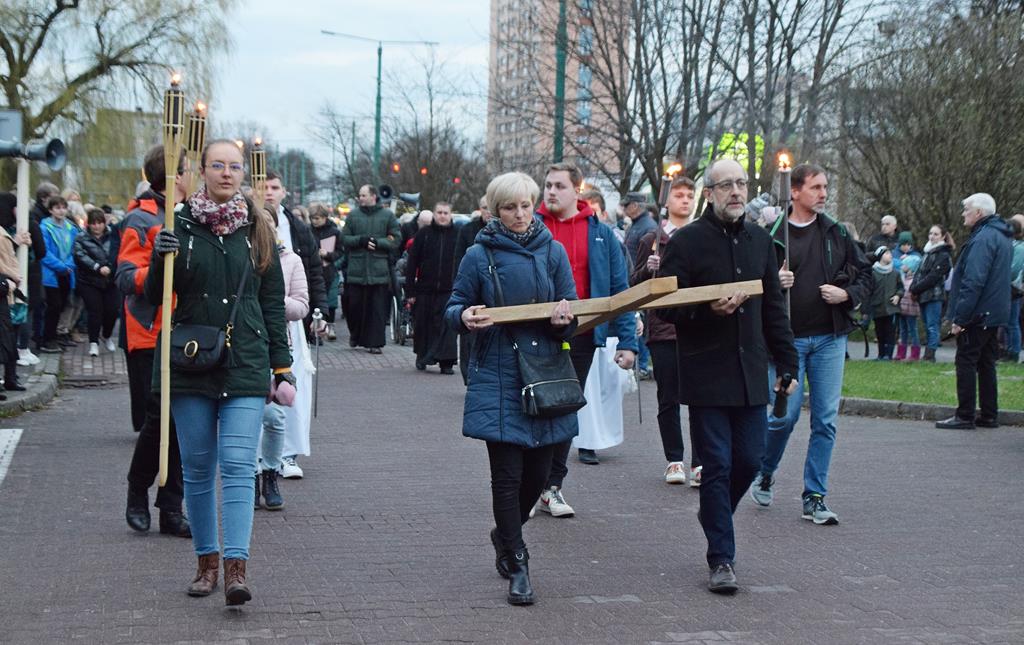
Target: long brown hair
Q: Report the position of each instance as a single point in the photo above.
(263, 238)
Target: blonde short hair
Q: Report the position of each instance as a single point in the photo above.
(511, 187)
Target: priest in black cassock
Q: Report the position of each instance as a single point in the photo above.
(428, 283)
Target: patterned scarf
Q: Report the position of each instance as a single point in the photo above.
(521, 238)
(222, 219)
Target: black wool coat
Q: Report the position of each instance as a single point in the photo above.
(723, 360)
(430, 267)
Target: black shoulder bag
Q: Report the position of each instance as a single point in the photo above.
(550, 387)
(201, 348)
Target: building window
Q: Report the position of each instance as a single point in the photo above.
(586, 43)
(583, 113)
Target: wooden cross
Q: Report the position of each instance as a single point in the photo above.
(656, 293)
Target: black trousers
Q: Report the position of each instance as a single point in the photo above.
(146, 459)
(581, 353)
(56, 298)
(977, 350)
(666, 375)
(433, 341)
(731, 442)
(517, 479)
(101, 306)
(885, 334)
(368, 307)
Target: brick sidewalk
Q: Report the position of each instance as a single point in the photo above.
(385, 540)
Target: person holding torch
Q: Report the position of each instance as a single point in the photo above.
(223, 253)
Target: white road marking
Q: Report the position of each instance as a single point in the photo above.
(8, 442)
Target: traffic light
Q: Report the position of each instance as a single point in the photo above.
(456, 181)
(423, 170)
(395, 168)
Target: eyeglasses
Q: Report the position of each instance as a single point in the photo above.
(728, 185)
(219, 166)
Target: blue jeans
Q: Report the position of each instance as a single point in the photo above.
(272, 440)
(1013, 329)
(931, 312)
(232, 445)
(908, 331)
(822, 360)
(730, 442)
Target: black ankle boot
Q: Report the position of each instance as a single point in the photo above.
(137, 511)
(175, 523)
(271, 493)
(500, 556)
(519, 590)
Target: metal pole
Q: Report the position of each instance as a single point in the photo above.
(376, 120)
(561, 44)
(21, 222)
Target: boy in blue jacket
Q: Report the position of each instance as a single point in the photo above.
(58, 267)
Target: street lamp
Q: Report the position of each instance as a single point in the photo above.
(380, 49)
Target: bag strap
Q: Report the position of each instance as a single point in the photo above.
(499, 295)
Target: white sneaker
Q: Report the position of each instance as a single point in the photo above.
(94, 349)
(551, 501)
(675, 473)
(111, 344)
(695, 476)
(290, 469)
(26, 357)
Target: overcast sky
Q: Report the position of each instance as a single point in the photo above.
(283, 70)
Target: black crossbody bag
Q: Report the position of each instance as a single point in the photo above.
(201, 348)
(550, 387)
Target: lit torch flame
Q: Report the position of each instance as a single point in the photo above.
(175, 79)
(240, 144)
(784, 162)
(200, 108)
(258, 141)
(674, 169)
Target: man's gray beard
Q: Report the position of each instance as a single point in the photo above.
(729, 217)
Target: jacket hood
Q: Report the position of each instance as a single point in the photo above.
(996, 222)
(583, 211)
(492, 236)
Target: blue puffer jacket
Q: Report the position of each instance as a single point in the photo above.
(60, 245)
(609, 274)
(538, 272)
(980, 294)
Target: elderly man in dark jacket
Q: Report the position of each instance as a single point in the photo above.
(428, 285)
(724, 349)
(979, 304)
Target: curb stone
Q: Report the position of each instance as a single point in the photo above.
(912, 411)
(41, 384)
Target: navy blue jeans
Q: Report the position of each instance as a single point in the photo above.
(730, 442)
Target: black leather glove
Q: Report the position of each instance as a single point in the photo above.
(166, 242)
(363, 241)
(285, 377)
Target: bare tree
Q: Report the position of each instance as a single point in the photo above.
(63, 58)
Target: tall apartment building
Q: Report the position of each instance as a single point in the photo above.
(521, 90)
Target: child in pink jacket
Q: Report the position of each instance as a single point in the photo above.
(275, 416)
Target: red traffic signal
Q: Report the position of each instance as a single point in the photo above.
(423, 170)
(456, 181)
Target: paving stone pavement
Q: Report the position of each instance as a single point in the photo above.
(385, 540)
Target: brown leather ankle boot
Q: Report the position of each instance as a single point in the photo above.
(235, 590)
(206, 576)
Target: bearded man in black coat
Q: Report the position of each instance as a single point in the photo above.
(429, 270)
(724, 348)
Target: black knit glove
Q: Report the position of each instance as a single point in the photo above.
(166, 242)
(285, 377)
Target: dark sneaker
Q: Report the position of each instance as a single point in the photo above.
(955, 423)
(761, 490)
(51, 347)
(589, 457)
(816, 511)
(723, 579)
(981, 422)
(272, 499)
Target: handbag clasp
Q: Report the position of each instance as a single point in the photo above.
(191, 349)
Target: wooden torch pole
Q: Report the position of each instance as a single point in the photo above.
(258, 168)
(195, 140)
(174, 126)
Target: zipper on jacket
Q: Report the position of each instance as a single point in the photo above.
(188, 256)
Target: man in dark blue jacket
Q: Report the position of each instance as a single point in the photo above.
(598, 270)
(979, 304)
(723, 349)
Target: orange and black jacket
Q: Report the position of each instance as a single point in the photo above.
(140, 226)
